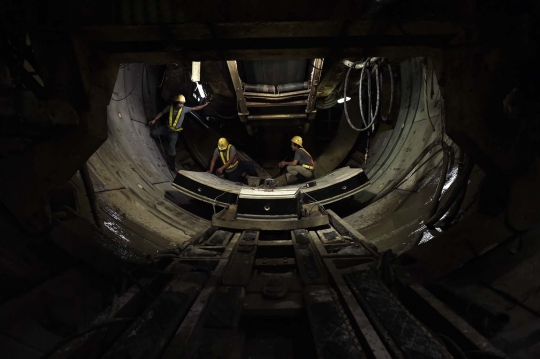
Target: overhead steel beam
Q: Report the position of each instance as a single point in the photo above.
(266, 30)
(240, 100)
(276, 104)
(278, 96)
(315, 78)
(277, 116)
(161, 56)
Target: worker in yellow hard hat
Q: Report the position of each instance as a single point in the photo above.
(173, 126)
(231, 166)
(302, 165)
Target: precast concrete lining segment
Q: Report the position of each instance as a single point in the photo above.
(130, 157)
(410, 135)
(340, 146)
(408, 107)
(131, 165)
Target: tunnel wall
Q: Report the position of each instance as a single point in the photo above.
(129, 172)
(132, 181)
(392, 152)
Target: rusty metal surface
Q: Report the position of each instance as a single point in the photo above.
(315, 78)
(276, 104)
(278, 96)
(277, 116)
(237, 82)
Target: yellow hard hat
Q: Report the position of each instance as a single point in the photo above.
(297, 140)
(222, 143)
(179, 98)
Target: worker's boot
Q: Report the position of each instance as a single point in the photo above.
(281, 181)
(291, 179)
(301, 179)
(171, 163)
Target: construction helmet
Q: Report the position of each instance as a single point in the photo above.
(179, 98)
(297, 140)
(222, 143)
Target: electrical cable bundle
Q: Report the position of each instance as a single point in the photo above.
(371, 115)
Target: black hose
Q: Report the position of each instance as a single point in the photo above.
(391, 187)
(456, 206)
(454, 210)
(438, 192)
(92, 200)
(452, 346)
(221, 116)
(442, 181)
(460, 183)
(83, 333)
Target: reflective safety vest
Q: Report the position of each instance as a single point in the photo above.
(312, 167)
(172, 125)
(226, 155)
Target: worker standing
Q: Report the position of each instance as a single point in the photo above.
(302, 165)
(177, 112)
(232, 167)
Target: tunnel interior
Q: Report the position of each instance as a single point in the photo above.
(102, 255)
(130, 166)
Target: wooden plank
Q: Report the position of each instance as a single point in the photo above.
(154, 328)
(329, 235)
(318, 243)
(12, 349)
(334, 338)
(129, 305)
(178, 344)
(346, 229)
(276, 243)
(310, 267)
(256, 305)
(239, 269)
(257, 283)
(457, 322)
(219, 238)
(361, 320)
(227, 219)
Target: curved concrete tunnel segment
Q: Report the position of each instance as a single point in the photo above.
(129, 171)
(131, 178)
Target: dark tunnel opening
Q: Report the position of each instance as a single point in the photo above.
(412, 233)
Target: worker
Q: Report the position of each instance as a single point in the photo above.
(177, 112)
(232, 167)
(302, 165)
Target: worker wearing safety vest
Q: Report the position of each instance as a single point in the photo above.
(302, 165)
(231, 166)
(176, 112)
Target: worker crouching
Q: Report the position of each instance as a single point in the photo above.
(301, 166)
(232, 168)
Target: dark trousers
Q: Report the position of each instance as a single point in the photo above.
(243, 166)
(172, 137)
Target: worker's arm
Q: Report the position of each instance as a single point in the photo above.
(212, 164)
(231, 160)
(290, 163)
(197, 108)
(158, 116)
